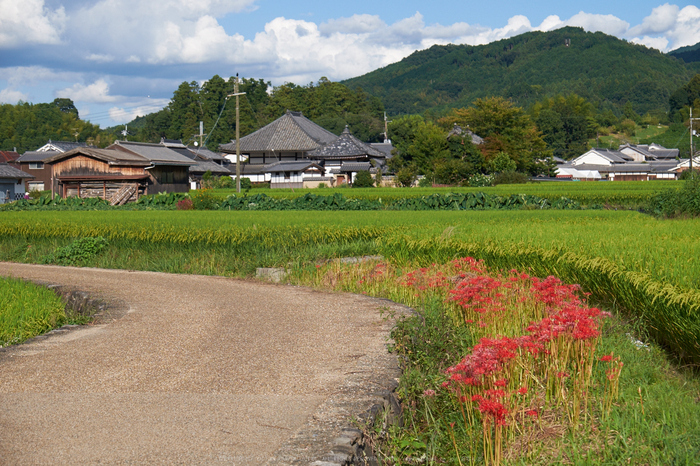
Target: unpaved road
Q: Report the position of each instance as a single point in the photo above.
(197, 370)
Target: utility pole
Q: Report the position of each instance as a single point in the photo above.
(201, 134)
(691, 136)
(238, 142)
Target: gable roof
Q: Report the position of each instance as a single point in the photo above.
(157, 154)
(295, 166)
(612, 156)
(8, 156)
(110, 156)
(6, 171)
(61, 146)
(292, 132)
(203, 166)
(345, 146)
(36, 156)
(651, 152)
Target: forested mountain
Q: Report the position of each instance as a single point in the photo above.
(606, 71)
(688, 54)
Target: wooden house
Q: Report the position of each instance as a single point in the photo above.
(168, 171)
(92, 172)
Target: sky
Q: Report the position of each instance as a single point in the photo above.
(118, 59)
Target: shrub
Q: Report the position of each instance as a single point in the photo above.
(78, 252)
(224, 182)
(363, 179)
(683, 202)
(510, 177)
(480, 181)
(246, 183)
(405, 177)
(203, 199)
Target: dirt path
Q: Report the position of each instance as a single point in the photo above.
(199, 370)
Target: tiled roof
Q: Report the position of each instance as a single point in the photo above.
(292, 132)
(111, 156)
(383, 147)
(355, 167)
(6, 171)
(61, 146)
(157, 154)
(204, 166)
(8, 156)
(459, 131)
(296, 166)
(35, 156)
(346, 145)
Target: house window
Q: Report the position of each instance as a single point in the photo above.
(36, 186)
(286, 175)
(36, 165)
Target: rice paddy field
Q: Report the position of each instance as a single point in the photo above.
(631, 194)
(640, 263)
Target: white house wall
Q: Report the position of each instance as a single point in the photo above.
(591, 158)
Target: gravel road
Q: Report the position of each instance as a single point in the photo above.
(192, 370)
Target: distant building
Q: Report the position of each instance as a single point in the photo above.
(12, 183)
(289, 138)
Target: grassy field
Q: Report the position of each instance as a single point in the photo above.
(644, 265)
(27, 310)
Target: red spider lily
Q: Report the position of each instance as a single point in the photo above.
(500, 383)
(522, 391)
(606, 358)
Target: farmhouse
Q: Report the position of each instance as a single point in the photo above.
(299, 174)
(289, 138)
(92, 172)
(630, 163)
(11, 183)
(346, 156)
(168, 171)
(204, 161)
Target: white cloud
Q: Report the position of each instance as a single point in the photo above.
(608, 24)
(97, 92)
(100, 58)
(356, 24)
(662, 19)
(11, 96)
(668, 27)
(659, 43)
(29, 22)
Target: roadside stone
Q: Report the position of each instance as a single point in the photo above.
(272, 274)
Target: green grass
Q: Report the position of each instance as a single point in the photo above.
(27, 310)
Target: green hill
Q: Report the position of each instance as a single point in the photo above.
(688, 54)
(605, 70)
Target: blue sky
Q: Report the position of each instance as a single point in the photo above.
(121, 58)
